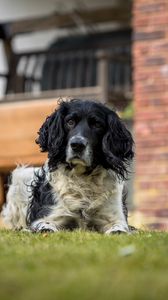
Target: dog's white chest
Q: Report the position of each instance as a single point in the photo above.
(82, 197)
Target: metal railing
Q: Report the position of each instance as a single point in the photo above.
(54, 70)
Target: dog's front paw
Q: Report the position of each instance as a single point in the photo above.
(43, 226)
(117, 229)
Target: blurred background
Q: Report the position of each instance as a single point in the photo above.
(114, 51)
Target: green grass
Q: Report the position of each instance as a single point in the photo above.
(83, 265)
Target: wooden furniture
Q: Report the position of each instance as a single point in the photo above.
(19, 124)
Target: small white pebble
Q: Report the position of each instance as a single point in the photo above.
(127, 250)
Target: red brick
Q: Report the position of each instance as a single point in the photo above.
(150, 63)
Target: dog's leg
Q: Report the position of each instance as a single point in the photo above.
(118, 224)
(52, 223)
(118, 228)
(114, 214)
(43, 225)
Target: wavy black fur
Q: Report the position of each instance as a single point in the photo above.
(41, 200)
(113, 150)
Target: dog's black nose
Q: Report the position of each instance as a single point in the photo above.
(78, 144)
(77, 147)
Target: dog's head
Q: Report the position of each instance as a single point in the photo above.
(86, 133)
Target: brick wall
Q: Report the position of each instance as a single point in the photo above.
(150, 59)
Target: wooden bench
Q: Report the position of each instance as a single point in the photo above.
(19, 123)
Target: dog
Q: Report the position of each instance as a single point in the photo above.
(82, 183)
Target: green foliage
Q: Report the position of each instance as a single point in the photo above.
(128, 112)
(83, 265)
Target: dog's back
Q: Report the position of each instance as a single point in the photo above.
(14, 212)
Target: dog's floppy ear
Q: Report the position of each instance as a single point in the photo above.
(118, 146)
(43, 133)
(51, 133)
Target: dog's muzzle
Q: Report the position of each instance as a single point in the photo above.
(78, 151)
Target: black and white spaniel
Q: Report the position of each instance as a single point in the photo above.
(82, 183)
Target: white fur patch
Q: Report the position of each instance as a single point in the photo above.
(15, 209)
(95, 198)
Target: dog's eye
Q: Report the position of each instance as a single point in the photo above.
(95, 124)
(70, 123)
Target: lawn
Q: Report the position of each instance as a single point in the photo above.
(83, 265)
